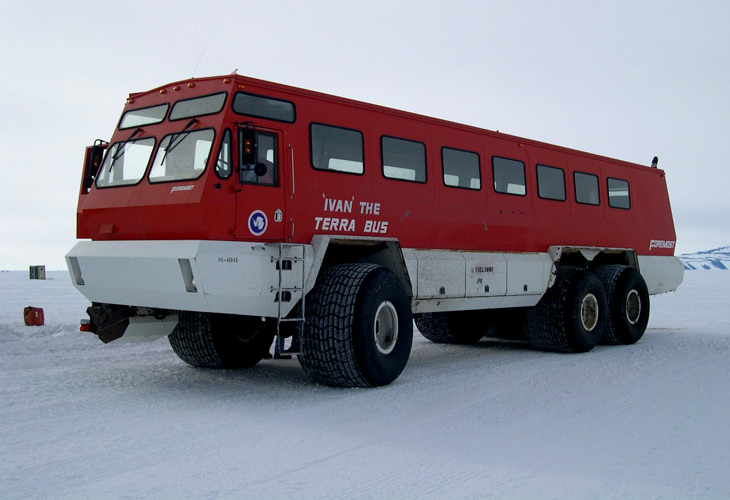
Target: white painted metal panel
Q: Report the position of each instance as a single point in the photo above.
(662, 274)
(471, 303)
(140, 273)
(514, 280)
(440, 274)
(527, 273)
(209, 276)
(486, 274)
(237, 278)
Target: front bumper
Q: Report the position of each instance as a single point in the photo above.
(193, 275)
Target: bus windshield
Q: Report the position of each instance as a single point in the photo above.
(126, 162)
(182, 156)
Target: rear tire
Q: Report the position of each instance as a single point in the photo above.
(223, 341)
(457, 327)
(359, 327)
(571, 316)
(628, 303)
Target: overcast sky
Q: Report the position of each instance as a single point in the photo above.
(627, 79)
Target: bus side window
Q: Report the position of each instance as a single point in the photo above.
(460, 168)
(550, 183)
(403, 159)
(586, 188)
(336, 149)
(509, 176)
(618, 194)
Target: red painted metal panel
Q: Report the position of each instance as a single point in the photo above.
(430, 215)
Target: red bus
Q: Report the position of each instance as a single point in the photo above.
(240, 217)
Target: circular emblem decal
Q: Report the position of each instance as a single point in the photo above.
(257, 222)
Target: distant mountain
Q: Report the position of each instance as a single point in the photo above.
(717, 258)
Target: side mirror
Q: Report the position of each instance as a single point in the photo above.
(97, 155)
(94, 157)
(260, 169)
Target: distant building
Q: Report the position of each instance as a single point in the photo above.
(37, 272)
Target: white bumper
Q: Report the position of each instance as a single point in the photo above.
(207, 276)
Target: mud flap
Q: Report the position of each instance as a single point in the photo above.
(111, 322)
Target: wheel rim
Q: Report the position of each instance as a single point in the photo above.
(385, 329)
(633, 307)
(589, 312)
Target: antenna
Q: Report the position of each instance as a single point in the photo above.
(199, 58)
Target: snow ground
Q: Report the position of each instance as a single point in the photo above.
(80, 419)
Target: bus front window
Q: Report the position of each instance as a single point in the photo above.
(182, 156)
(125, 163)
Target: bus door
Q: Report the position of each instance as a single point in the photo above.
(261, 184)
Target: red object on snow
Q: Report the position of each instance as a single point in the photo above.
(33, 316)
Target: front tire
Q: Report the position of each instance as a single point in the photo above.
(222, 341)
(359, 327)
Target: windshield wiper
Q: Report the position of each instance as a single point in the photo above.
(120, 152)
(177, 139)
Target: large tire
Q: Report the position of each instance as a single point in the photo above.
(221, 340)
(571, 316)
(457, 327)
(359, 327)
(628, 304)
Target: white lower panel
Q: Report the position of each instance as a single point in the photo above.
(440, 273)
(528, 273)
(208, 276)
(472, 303)
(662, 274)
(486, 274)
(242, 278)
(447, 280)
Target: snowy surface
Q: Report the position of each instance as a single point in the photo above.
(80, 419)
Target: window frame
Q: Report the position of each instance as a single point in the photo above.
(537, 178)
(628, 192)
(494, 177)
(575, 188)
(425, 161)
(125, 113)
(293, 106)
(109, 154)
(338, 127)
(164, 179)
(479, 168)
(187, 116)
